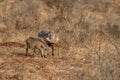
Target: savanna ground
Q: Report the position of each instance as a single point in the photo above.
(89, 32)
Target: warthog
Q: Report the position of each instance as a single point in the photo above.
(52, 40)
(43, 33)
(37, 43)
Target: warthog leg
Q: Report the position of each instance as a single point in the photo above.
(27, 51)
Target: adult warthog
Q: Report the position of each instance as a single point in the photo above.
(52, 40)
(37, 43)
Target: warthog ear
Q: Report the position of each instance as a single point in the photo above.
(57, 39)
(48, 39)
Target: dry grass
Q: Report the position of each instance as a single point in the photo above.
(89, 32)
(16, 66)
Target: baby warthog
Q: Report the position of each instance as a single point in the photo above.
(51, 39)
(39, 44)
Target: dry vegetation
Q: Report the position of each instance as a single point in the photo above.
(89, 31)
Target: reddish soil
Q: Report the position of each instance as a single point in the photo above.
(12, 44)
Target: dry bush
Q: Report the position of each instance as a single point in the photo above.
(1, 0)
(85, 28)
(100, 45)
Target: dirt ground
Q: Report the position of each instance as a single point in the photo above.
(17, 66)
(89, 32)
(14, 65)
